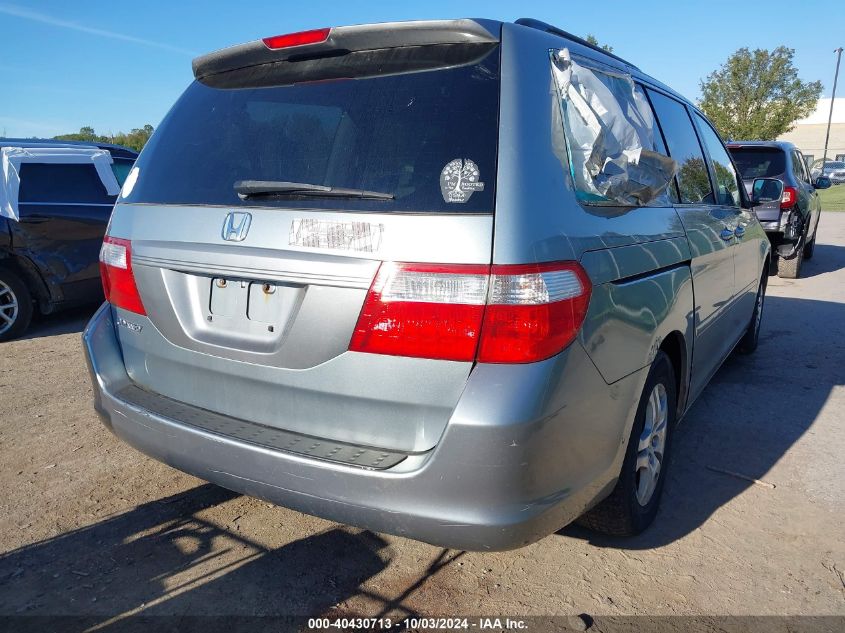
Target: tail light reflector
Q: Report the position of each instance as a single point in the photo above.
(789, 198)
(498, 314)
(315, 36)
(116, 273)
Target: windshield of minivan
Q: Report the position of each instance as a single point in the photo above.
(762, 162)
(427, 139)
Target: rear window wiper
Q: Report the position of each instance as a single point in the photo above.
(278, 188)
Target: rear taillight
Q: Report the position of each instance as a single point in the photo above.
(533, 312)
(789, 198)
(116, 272)
(499, 314)
(315, 36)
(423, 310)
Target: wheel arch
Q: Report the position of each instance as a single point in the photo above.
(675, 347)
(28, 272)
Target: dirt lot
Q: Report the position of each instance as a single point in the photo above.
(89, 526)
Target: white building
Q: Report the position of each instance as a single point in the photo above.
(808, 134)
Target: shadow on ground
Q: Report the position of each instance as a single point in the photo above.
(65, 322)
(752, 412)
(164, 559)
(827, 258)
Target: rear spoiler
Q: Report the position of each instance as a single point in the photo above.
(346, 39)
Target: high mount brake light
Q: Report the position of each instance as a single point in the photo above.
(315, 36)
(789, 198)
(116, 273)
(498, 314)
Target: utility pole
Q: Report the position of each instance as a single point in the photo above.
(838, 52)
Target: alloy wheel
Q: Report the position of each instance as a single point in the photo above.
(9, 309)
(652, 444)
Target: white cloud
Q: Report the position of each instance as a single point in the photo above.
(35, 16)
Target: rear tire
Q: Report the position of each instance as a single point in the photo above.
(809, 248)
(748, 343)
(633, 504)
(15, 305)
(791, 268)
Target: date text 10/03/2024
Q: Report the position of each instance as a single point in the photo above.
(415, 623)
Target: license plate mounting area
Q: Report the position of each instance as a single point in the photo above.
(254, 302)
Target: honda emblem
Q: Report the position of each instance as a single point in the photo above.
(236, 226)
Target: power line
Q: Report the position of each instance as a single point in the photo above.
(838, 52)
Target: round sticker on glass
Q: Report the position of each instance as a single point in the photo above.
(459, 180)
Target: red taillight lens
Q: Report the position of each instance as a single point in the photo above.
(423, 310)
(116, 272)
(789, 198)
(533, 311)
(289, 40)
(507, 314)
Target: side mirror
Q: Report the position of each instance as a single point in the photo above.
(822, 182)
(766, 190)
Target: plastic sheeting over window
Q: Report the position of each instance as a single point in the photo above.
(609, 129)
(11, 159)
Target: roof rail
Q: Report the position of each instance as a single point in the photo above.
(548, 28)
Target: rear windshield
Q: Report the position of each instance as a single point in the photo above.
(761, 162)
(427, 138)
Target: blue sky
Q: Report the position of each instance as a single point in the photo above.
(119, 65)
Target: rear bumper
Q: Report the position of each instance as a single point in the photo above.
(772, 220)
(527, 449)
(771, 227)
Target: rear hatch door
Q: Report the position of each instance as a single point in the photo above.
(253, 286)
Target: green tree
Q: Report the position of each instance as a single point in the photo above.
(592, 40)
(757, 95)
(134, 139)
(86, 133)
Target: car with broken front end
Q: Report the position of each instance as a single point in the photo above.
(452, 280)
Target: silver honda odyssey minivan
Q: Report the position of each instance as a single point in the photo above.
(451, 280)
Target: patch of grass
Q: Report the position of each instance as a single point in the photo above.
(833, 199)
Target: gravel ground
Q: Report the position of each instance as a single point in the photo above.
(90, 527)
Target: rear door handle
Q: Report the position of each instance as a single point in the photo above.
(726, 234)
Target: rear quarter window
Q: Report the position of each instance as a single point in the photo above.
(61, 184)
